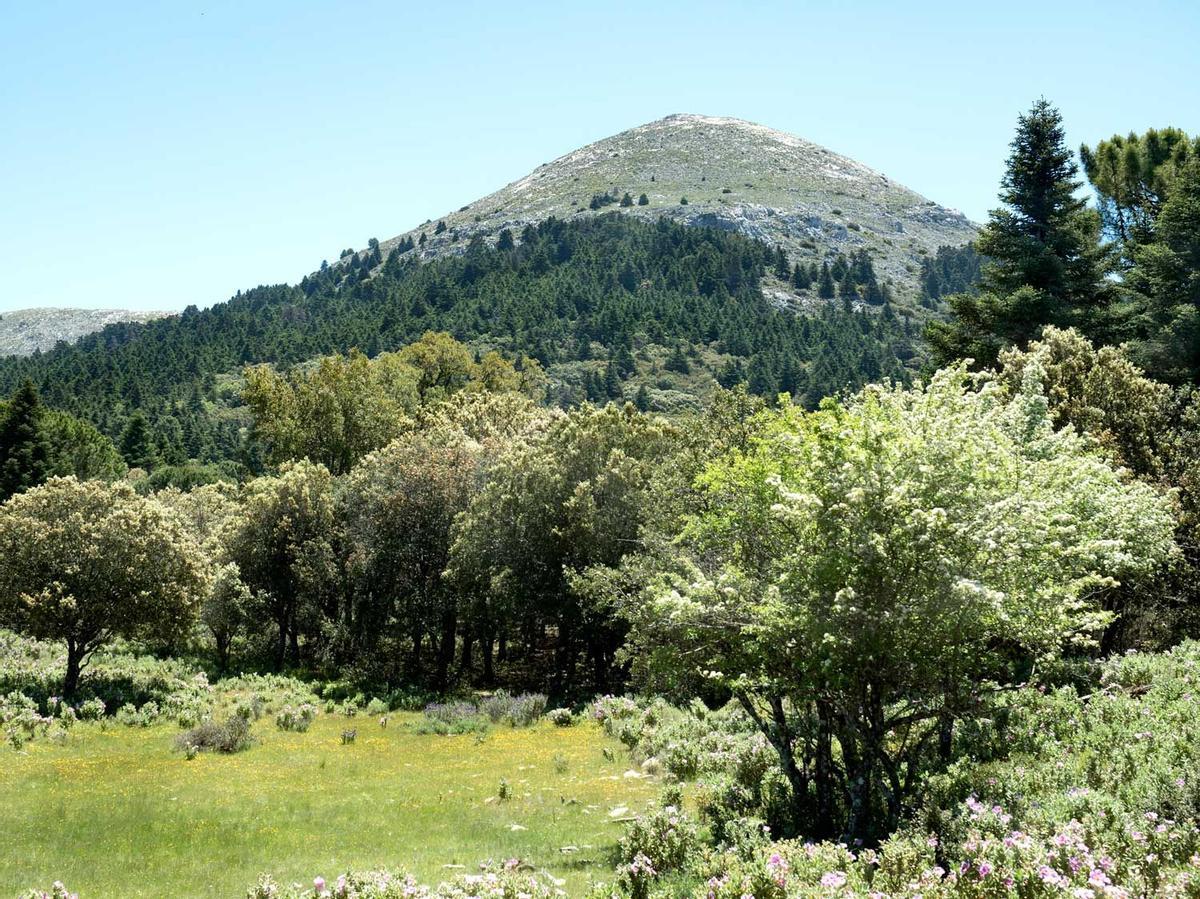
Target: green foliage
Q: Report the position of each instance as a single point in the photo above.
(1045, 263)
(1133, 176)
(232, 735)
(334, 413)
(872, 566)
(282, 538)
(1165, 285)
(562, 282)
(137, 444)
(84, 561)
(24, 449)
(572, 497)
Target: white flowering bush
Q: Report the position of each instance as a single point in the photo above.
(296, 718)
(507, 880)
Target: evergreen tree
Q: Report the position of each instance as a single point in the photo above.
(825, 287)
(678, 361)
(137, 444)
(1046, 264)
(24, 449)
(782, 270)
(504, 241)
(440, 228)
(800, 277)
(1166, 286)
(643, 200)
(612, 382)
(642, 399)
(626, 200)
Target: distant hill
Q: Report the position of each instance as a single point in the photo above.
(24, 331)
(735, 175)
(789, 269)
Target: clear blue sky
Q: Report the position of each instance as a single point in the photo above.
(158, 154)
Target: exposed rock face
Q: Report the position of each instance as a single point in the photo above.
(735, 175)
(23, 331)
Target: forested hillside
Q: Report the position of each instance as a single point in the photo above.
(601, 292)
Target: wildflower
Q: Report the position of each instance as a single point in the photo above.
(833, 879)
(984, 870)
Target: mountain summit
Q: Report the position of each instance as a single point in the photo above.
(724, 173)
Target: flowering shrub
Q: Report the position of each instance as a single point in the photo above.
(296, 718)
(494, 881)
(663, 840)
(461, 716)
(519, 711)
(561, 717)
(56, 891)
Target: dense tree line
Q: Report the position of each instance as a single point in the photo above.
(609, 280)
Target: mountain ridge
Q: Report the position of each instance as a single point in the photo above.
(735, 175)
(40, 328)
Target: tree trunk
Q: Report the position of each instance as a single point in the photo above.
(489, 669)
(281, 641)
(446, 644)
(825, 772)
(467, 663)
(74, 666)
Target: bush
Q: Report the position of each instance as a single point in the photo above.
(452, 718)
(495, 881)
(296, 718)
(231, 736)
(112, 679)
(667, 837)
(561, 717)
(377, 707)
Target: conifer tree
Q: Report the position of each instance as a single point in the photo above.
(137, 444)
(825, 287)
(24, 449)
(642, 399)
(1166, 286)
(800, 277)
(1046, 264)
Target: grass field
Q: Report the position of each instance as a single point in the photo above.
(118, 813)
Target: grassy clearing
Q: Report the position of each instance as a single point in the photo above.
(118, 813)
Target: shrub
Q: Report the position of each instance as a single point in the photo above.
(231, 736)
(667, 837)
(527, 709)
(91, 710)
(296, 718)
(495, 881)
(377, 707)
(561, 717)
(452, 718)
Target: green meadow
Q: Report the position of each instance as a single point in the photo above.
(119, 812)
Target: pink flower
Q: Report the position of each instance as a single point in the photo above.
(319, 885)
(984, 870)
(834, 879)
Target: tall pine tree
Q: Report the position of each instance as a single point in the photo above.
(1046, 264)
(24, 449)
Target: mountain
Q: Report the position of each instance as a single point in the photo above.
(735, 175)
(790, 270)
(24, 331)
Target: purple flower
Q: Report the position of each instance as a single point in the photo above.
(834, 879)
